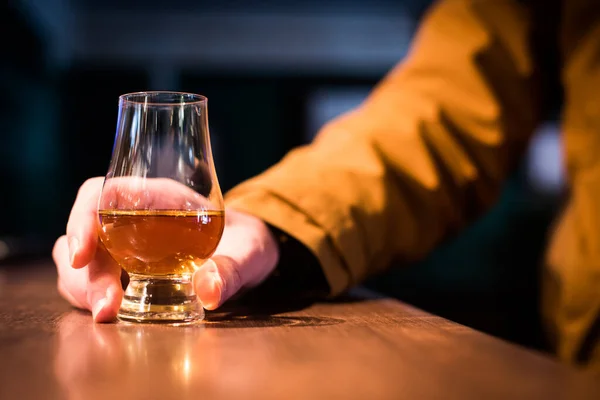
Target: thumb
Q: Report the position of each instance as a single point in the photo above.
(247, 254)
(218, 279)
(82, 226)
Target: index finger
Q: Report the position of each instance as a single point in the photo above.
(135, 192)
(83, 222)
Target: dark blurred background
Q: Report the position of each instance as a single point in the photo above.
(274, 71)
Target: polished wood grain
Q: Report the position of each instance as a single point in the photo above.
(358, 347)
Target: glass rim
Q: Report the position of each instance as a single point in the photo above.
(129, 98)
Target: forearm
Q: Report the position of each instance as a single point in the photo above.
(426, 153)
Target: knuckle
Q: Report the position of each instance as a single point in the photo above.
(60, 286)
(236, 279)
(61, 289)
(90, 184)
(58, 245)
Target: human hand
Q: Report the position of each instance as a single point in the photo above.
(89, 278)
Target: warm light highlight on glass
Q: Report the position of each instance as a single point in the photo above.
(161, 211)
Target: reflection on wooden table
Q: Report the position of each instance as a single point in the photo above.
(359, 347)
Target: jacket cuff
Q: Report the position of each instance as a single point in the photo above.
(285, 218)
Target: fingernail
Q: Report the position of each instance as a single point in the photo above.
(73, 247)
(208, 289)
(100, 300)
(98, 306)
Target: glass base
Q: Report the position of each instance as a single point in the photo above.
(166, 300)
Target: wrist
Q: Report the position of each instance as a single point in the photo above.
(297, 270)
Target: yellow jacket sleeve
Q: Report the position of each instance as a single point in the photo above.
(571, 285)
(426, 152)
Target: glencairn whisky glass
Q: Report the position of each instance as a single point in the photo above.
(161, 212)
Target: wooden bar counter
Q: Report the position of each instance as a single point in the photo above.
(362, 346)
